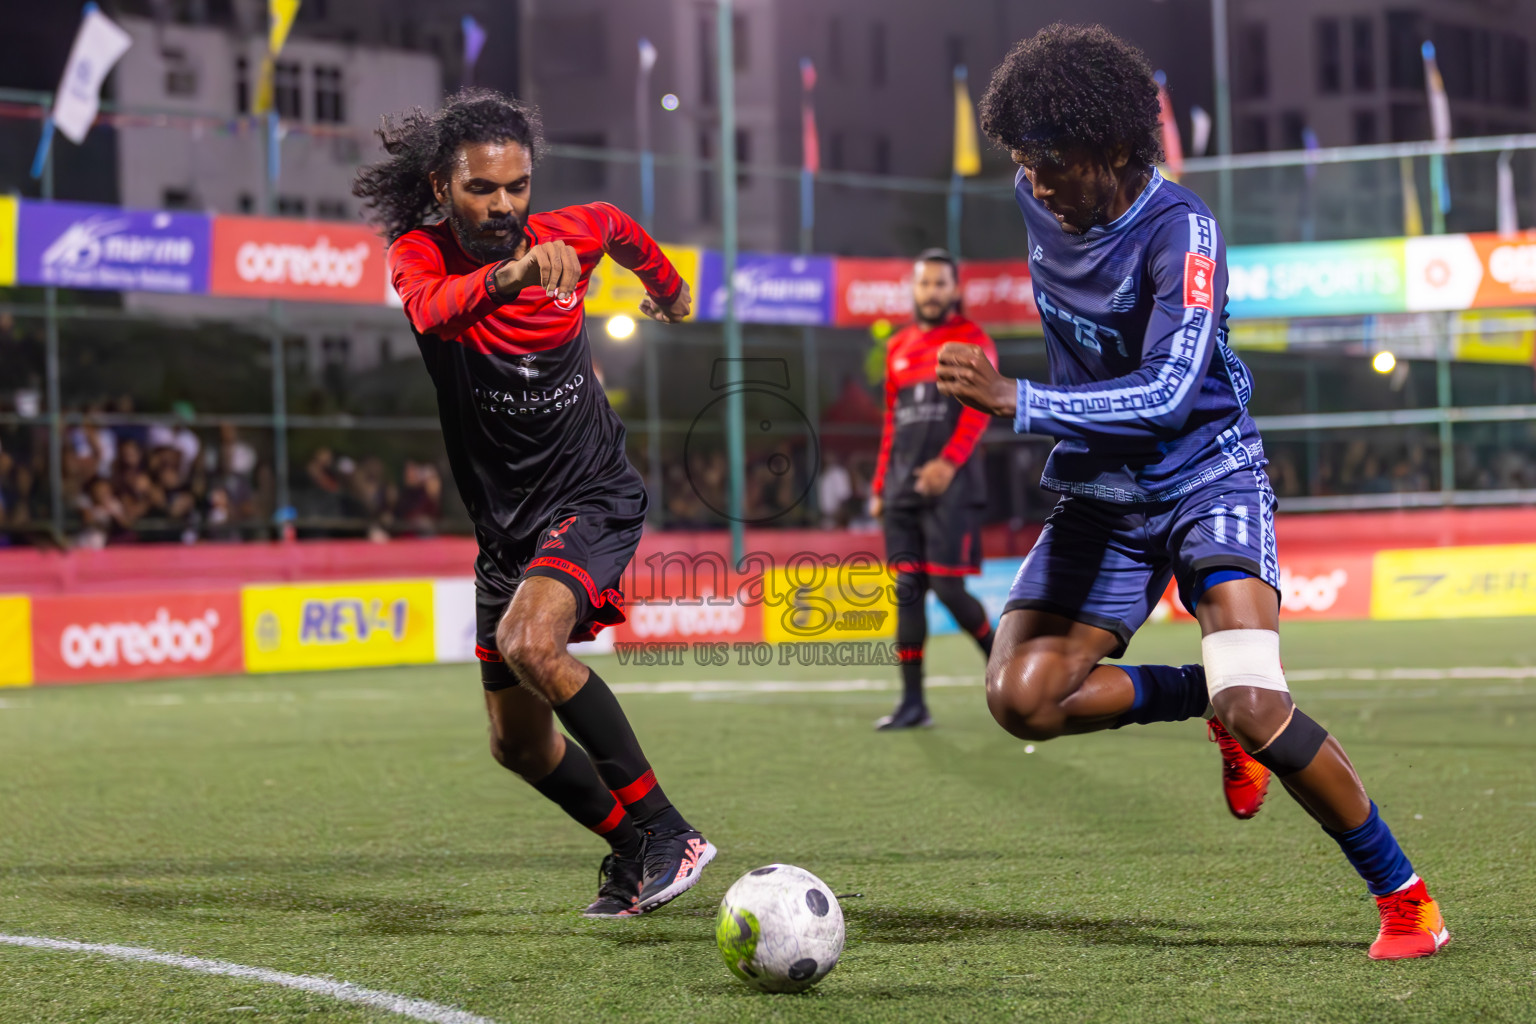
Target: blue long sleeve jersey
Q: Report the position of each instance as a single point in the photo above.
(1147, 399)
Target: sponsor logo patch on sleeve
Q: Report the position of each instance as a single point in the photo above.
(1199, 281)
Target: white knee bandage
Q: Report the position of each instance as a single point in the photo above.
(1242, 657)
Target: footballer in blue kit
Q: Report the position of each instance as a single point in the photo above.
(1158, 463)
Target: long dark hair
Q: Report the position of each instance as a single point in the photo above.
(397, 190)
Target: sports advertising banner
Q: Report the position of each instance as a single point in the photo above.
(8, 213)
(1316, 279)
(990, 588)
(338, 625)
(312, 261)
(107, 637)
(1455, 583)
(998, 292)
(810, 603)
(15, 641)
(870, 290)
(612, 289)
(770, 289)
(82, 245)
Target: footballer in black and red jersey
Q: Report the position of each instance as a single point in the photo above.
(494, 295)
(929, 485)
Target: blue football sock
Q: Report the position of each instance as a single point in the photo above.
(1165, 693)
(1374, 852)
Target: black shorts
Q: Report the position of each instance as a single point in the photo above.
(941, 538)
(587, 545)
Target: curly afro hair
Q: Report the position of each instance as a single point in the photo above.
(1074, 85)
(398, 191)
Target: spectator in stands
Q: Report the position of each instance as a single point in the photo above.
(92, 448)
(234, 472)
(180, 437)
(834, 492)
(104, 518)
(421, 499)
(124, 431)
(325, 484)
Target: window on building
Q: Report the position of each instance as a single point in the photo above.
(882, 154)
(1365, 128)
(1293, 125)
(706, 189)
(1408, 122)
(242, 86)
(180, 74)
(288, 90)
(835, 154)
(1453, 53)
(587, 175)
(1253, 133)
(741, 43)
(331, 209)
(291, 206)
(330, 105)
(313, 10)
(835, 47)
(877, 66)
(1405, 61)
(176, 199)
(1362, 50)
(743, 156)
(246, 203)
(1253, 61)
(1330, 57)
(707, 55)
(1514, 77)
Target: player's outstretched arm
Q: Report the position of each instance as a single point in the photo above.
(668, 297)
(674, 312)
(966, 373)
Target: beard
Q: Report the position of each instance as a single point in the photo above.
(940, 317)
(486, 249)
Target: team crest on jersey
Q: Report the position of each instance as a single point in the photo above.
(1124, 299)
(569, 303)
(1199, 281)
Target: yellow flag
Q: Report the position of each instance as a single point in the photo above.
(1413, 217)
(967, 153)
(280, 15)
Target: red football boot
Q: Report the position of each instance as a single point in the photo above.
(1243, 780)
(1411, 924)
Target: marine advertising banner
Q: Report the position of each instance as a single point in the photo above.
(338, 625)
(307, 260)
(83, 245)
(15, 640)
(770, 289)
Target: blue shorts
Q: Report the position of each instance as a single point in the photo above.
(1108, 565)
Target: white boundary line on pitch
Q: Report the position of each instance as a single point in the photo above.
(345, 991)
(1316, 675)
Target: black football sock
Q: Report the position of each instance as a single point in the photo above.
(594, 717)
(575, 786)
(968, 612)
(911, 633)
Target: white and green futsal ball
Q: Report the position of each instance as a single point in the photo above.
(779, 929)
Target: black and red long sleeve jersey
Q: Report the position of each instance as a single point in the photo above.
(920, 423)
(527, 428)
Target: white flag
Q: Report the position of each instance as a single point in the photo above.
(98, 45)
(1199, 130)
(1508, 217)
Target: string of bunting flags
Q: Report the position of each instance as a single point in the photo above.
(90, 246)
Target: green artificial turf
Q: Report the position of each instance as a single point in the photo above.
(353, 825)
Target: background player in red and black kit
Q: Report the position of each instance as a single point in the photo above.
(927, 485)
(494, 296)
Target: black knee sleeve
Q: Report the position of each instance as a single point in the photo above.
(1295, 747)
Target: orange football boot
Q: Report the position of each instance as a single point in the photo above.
(1411, 924)
(1243, 780)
